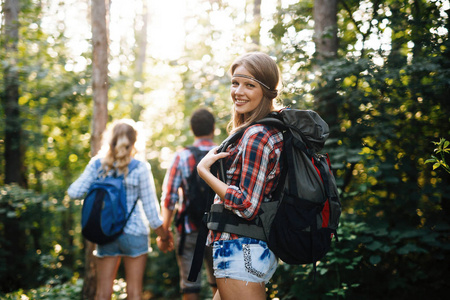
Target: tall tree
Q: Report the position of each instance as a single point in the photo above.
(326, 42)
(141, 54)
(100, 37)
(255, 34)
(325, 28)
(14, 169)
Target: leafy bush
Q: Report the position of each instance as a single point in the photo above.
(70, 290)
(66, 291)
(406, 263)
(31, 253)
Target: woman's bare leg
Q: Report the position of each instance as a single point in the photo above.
(106, 273)
(231, 289)
(134, 273)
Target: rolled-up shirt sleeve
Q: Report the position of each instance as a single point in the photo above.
(80, 186)
(147, 194)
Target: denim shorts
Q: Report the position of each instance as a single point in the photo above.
(244, 259)
(125, 245)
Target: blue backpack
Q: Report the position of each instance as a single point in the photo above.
(104, 212)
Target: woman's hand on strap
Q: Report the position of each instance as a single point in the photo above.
(204, 166)
(204, 171)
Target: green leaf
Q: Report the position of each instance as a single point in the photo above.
(408, 248)
(11, 214)
(375, 259)
(374, 246)
(391, 179)
(412, 234)
(366, 239)
(382, 231)
(386, 248)
(436, 165)
(354, 159)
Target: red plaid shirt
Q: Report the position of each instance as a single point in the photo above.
(253, 168)
(176, 179)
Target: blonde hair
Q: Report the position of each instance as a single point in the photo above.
(120, 147)
(265, 70)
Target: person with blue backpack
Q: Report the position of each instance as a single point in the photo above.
(142, 211)
(243, 265)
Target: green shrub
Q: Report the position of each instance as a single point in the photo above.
(31, 252)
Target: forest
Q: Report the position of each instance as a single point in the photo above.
(377, 71)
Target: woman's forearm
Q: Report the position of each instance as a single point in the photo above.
(217, 185)
(204, 171)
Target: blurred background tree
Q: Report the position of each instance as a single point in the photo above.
(376, 70)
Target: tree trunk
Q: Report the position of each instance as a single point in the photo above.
(100, 17)
(326, 42)
(142, 43)
(141, 54)
(257, 22)
(14, 168)
(325, 28)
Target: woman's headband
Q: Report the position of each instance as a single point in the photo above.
(254, 79)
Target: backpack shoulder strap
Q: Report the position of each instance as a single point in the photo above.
(98, 163)
(274, 119)
(198, 154)
(223, 147)
(132, 165)
(271, 120)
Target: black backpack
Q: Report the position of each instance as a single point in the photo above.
(302, 218)
(196, 193)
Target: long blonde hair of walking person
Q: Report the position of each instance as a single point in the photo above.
(120, 147)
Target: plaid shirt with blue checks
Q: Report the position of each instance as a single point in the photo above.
(139, 185)
(176, 179)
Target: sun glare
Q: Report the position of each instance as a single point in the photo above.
(166, 28)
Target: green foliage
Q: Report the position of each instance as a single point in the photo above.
(29, 233)
(402, 258)
(383, 107)
(442, 149)
(70, 290)
(162, 275)
(385, 97)
(67, 291)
